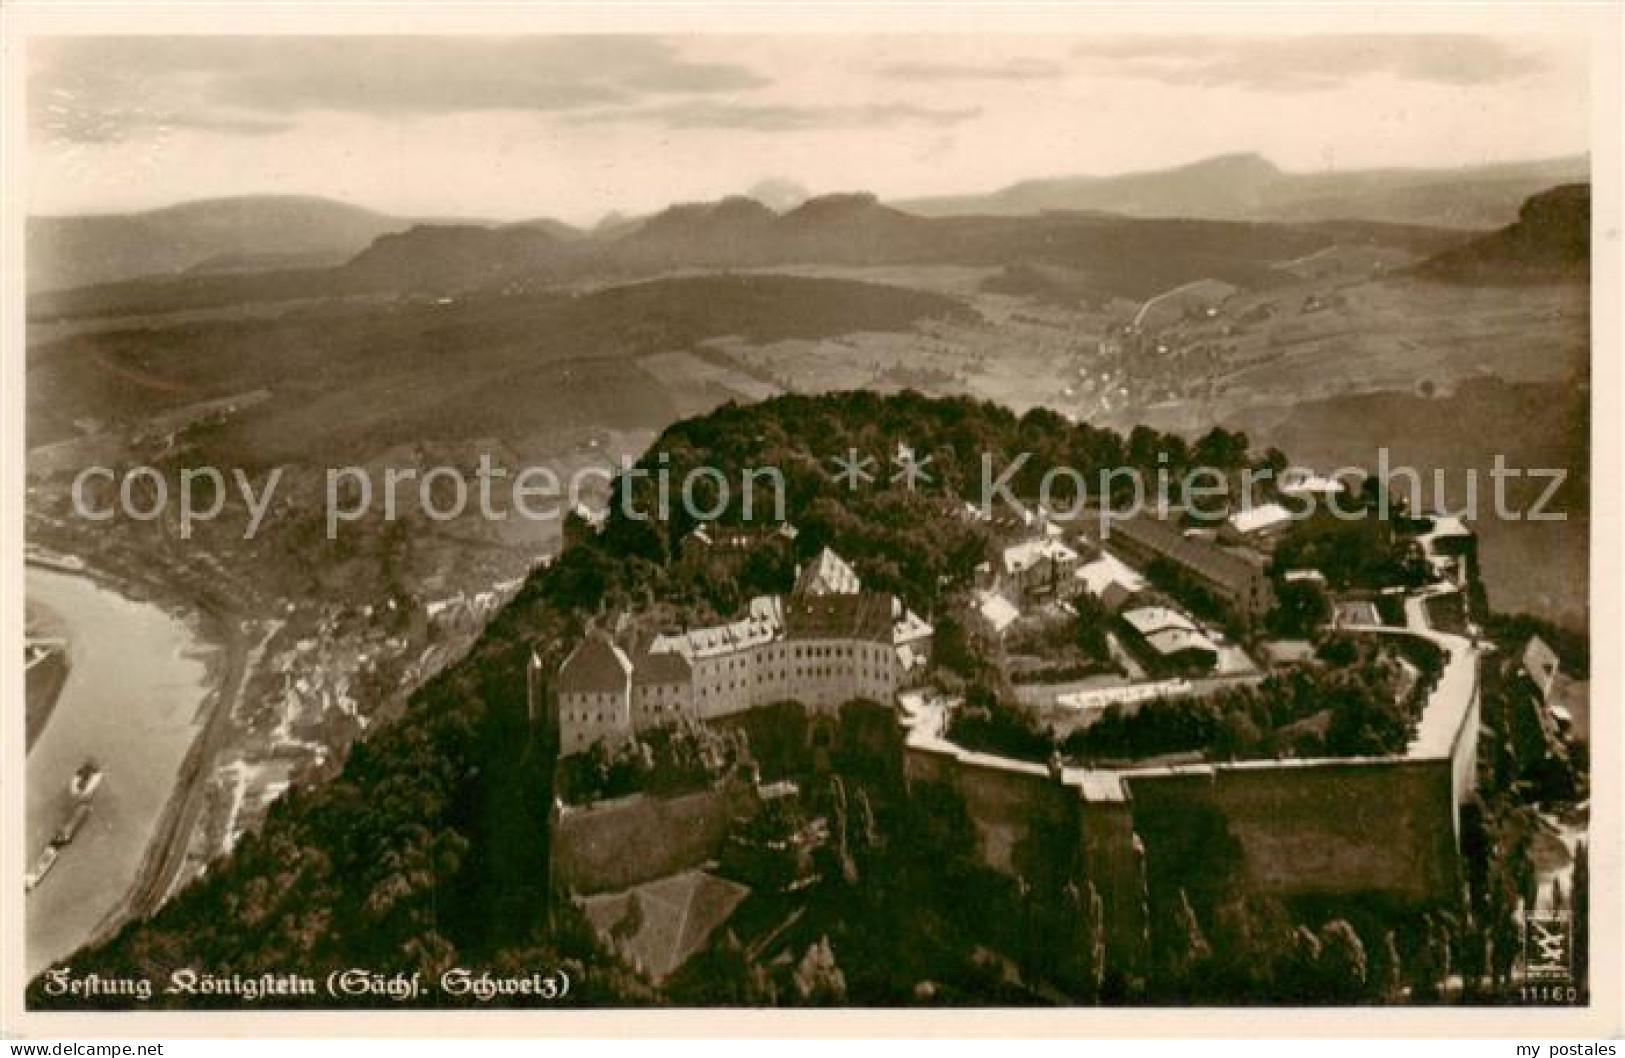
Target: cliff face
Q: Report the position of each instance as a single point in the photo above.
(1549, 243)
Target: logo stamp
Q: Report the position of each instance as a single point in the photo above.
(1548, 945)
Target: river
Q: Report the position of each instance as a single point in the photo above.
(131, 701)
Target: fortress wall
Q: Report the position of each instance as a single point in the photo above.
(1301, 828)
(617, 844)
(1464, 757)
(1114, 862)
(1020, 814)
(1326, 827)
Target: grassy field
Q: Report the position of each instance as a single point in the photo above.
(357, 380)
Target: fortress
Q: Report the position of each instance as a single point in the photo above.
(1386, 827)
(826, 643)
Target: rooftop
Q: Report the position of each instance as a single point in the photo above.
(1148, 619)
(828, 574)
(596, 665)
(1171, 641)
(664, 923)
(908, 625)
(1099, 698)
(1301, 482)
(996, 610)
(1235, 573)
(649, 669)
(763, 623)
(1103, 572)
(862, 616)
(1259, 519)
(1540, 662)
(1018, 558)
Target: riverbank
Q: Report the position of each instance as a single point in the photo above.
(45, 677)
(215, 648)
(166, 855)
(45, 661)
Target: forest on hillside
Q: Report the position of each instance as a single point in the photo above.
(430, 849)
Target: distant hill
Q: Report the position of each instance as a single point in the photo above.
(1106, 256)
(67, 252)
(732, 229)
(1250, 187)
(556, 228)
(856, 226)
(1550, 242)
(449, 257)
(253, 263)
(346, 384)
(778, 194)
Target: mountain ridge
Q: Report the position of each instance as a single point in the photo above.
(70, 251)
(1549, 242)
(1247, 186)
(245, 233)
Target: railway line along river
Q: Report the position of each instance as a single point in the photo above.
(132, 702)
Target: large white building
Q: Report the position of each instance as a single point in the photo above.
(827, 643)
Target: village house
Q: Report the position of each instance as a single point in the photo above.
(994, 614)
(1040, 569)
(1168, 640)
(1304, 484)
(1257, 526)
(1110, 580)
(1450, 547)
(711, 538)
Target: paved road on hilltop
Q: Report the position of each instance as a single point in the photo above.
(1452, 696)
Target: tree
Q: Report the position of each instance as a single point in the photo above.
(1304, 963)
(726, 971)
(1387, 972)
(1475, 958)
(1237, 736)
(1430, 965)
(1365, 721)
(951, 649)
(1272, 463)
(1443, 944)
(1504, 941)
(1343, 968)
(1187, 950)
(1082, 965)
(1221, 449)
(1582, 911)
(841, 826)
(1090, 629)
(817, 978)
(868, 830)
(1094, 941)
(1301, 608)
(630, 924)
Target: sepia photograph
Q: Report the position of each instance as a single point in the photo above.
(1058, 514)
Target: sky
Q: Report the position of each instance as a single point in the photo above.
(576, 127)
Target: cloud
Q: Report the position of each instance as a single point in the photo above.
(253, 85)
(1014, 70)
(116, 125)
(1309, 63)
(778, 117)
